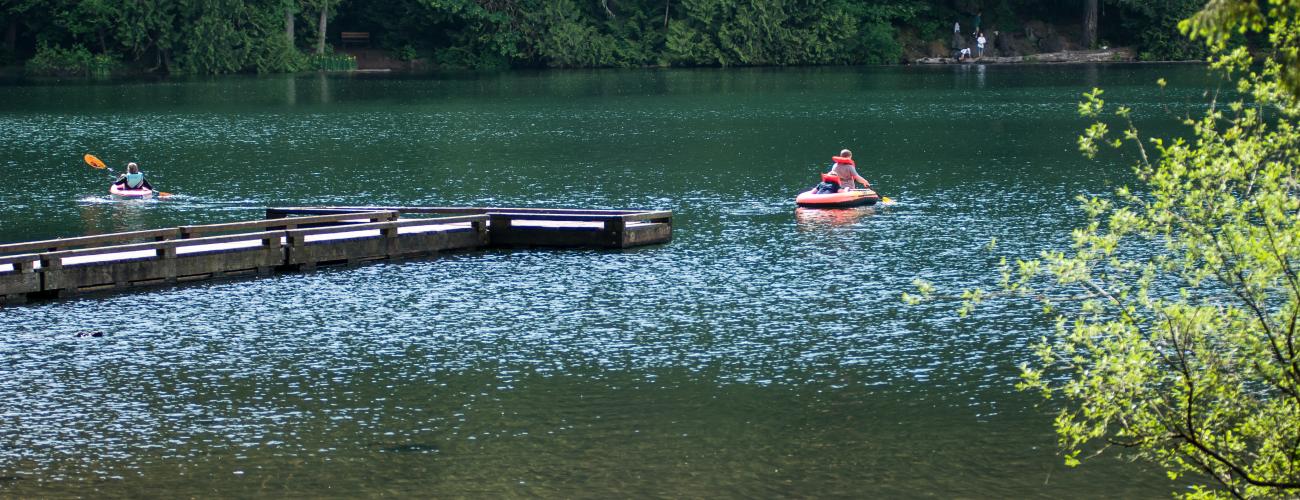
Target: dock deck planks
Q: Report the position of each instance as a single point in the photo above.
(302, 238)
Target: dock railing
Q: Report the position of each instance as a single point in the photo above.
(513, 227)
(301, 238)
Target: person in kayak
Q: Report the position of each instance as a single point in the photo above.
(133, 178)
(847, 171)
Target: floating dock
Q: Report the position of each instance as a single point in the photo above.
(303, 238)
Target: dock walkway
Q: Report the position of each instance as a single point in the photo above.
(302, 238)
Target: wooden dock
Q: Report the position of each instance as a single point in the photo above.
(302, 238)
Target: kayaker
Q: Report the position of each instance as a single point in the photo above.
(847, 171)
(133, 178)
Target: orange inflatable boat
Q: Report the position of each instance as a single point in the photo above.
(842, 199)
(838, 199)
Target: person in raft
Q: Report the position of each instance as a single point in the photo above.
(847, 171)
(133, 178)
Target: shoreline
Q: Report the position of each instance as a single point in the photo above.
(1117, 55)
(1113, 56)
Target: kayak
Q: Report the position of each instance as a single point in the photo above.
(841, 199)
(134, 194)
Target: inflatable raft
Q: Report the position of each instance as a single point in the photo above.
(841, 199)
(134, 194)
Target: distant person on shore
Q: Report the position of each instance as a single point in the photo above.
(978, 15)
(963, 54)
(979, 45)
(133, 178)
(844, 168)
(956, 27)
(1000, 44)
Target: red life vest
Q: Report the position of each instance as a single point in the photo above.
(831, 178)
(841, 159)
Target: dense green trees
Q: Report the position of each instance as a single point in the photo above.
(223, 36)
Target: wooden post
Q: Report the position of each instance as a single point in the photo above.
(167, 254)
(51, 269)
(498, 229)
(614, 229)
(298, 247)
(51, 264)
(392, 247)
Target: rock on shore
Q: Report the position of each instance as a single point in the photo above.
(1067, 56)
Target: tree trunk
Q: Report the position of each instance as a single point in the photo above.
(324, 18)
(1090, 23)
(11, 35)
(103, 44)
(667, 4)
(288, 22)
(167, 61)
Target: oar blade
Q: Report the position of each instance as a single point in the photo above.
(94, 162)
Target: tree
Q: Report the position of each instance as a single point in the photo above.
(290, 8)
(324, 8)
(1181, 344)
(1090, 8)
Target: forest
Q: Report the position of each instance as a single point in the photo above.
(187, 37)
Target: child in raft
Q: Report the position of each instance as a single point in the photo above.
(133, 178)
(846, 171)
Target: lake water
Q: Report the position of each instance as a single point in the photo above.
(763, 353)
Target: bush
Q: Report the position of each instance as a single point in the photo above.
(880, 45)
(75, 61)
(405, 53)
(332, 62)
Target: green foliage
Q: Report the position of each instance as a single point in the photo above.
(777, 32)
(76, 61)
(1177, 305)
(225, 36)
(1183, 347)
(1153, 27)
(480, 37)
(1223, 21)
(570, 40)
(332, 62)
(880, 45)
(405, 53)
(229, 36)
(186, 36)
(7, 56)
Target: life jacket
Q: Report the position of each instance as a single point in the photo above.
(841, 159)
(133, 181)
(831, 178)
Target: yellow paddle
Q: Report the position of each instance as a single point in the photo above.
(96, 163)
(884, 200)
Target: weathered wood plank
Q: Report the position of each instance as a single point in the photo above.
(285, 211)
(117, 261)
(80, 241)
(294, 222)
